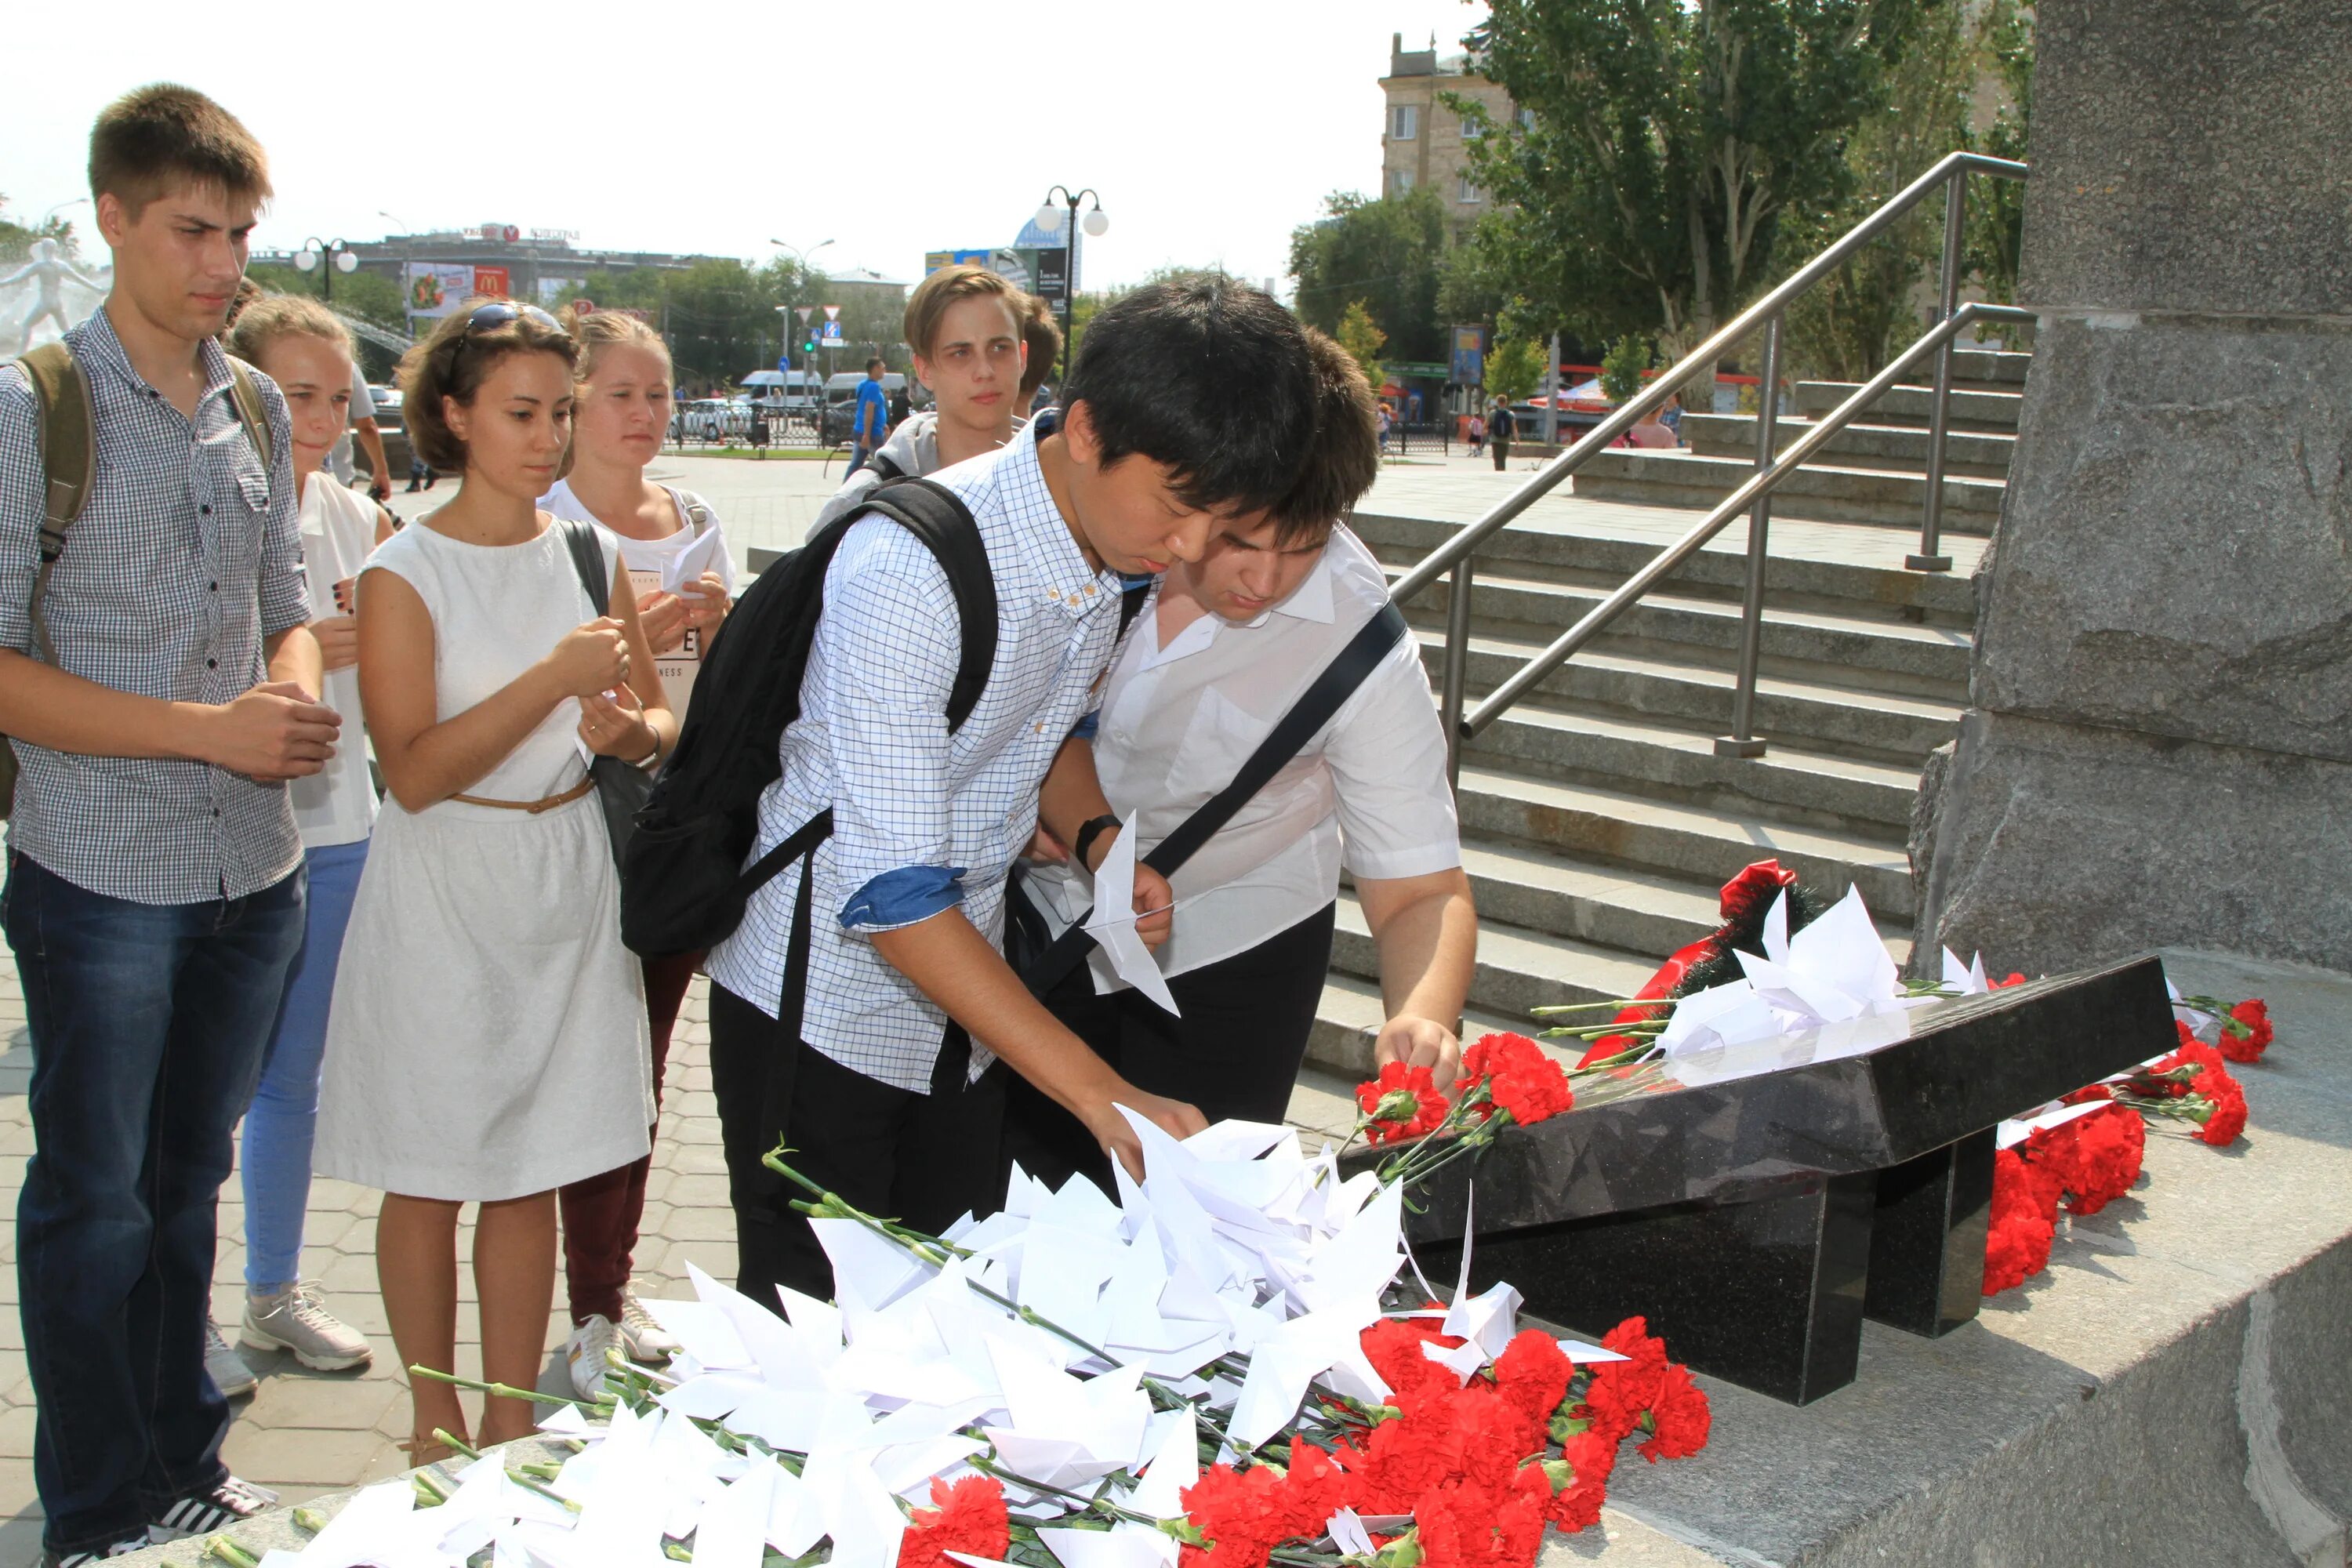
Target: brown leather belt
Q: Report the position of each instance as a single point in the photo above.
(534, 806)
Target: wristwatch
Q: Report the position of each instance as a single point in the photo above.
(1093, 828)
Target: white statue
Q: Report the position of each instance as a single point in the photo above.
(48, 270)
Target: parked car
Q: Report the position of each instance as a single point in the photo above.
(387, 406)
(841, 401)
(712, 419)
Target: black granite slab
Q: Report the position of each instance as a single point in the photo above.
(1754, 1202)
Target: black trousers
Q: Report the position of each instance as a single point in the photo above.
(923, 1159)
(1235, 1053)
(1501, 446)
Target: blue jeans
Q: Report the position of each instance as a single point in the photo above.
(276, 1150)
(148, 1023)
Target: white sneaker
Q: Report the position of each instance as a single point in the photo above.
(584, 1355)
(234, 1378)
(642, 1338)
(298, 1320)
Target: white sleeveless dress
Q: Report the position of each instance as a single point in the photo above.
(488, 1038)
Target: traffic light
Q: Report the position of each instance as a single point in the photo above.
(810, 345)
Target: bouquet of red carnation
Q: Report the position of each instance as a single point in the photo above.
(1506, 1081)
(2192, 1084)
(2240, 1031)
(2025, 1222)
(1402, 1103)
(2092, 1159)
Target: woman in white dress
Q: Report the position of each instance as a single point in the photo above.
(617, 426)
(488, 1038)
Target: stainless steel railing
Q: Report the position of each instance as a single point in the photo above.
(1454, 557)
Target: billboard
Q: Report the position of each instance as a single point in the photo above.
(1469, 363)
(437, 287)
(1043, 272)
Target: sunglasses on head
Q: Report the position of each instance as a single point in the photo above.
(496, 313)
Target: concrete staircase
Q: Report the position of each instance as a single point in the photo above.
(1598, 823)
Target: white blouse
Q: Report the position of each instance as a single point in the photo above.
(1176, 724)
(337, 804)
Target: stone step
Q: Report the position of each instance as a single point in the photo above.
(1789, 781)
(1699, 481)
(1601, 825)
(2005, 366)
(1567, 538)
(1896, 448)
(1990, 411)
(1349, 1016)
(1518, 968)
(1836, 717)
(1930, 661)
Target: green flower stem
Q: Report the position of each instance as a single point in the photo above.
(1094, 1505)
(443, 1434)
(230, 1553)
(1620, 1004)
(509, 1391)
(310, 1518)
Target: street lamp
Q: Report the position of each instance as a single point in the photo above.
(800, 256)
(56, 209)
(1096, 222)
(315, 251)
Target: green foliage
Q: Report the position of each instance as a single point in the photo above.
(719, 315)
(1621, 368)
(1390, 255)
(1515, 369)
(368, 296)
(1848, 325)
(17, 239)
(1361, 337)
(1668, 139)
(1997, 207)
(1090, 303)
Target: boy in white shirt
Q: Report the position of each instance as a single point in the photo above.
(1227, 646)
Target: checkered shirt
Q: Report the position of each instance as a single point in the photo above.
(186, 556)
(872, 742)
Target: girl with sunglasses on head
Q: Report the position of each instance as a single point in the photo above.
(487, 1040)
(621, 412)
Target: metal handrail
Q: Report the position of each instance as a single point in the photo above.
(1453, 557)
(1761, 483)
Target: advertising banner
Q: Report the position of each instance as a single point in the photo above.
(1469, 366)
(435, 289)
(491, 281)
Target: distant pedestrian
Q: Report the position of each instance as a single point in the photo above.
(1476, 431)
(869, 422)
(1671, 416)
(899, 406)
(1386, 420)
(1499, 431)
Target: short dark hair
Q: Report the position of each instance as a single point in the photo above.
(872, 365)
(1042, 339)
(1343, 460)
(1206, 376)
(155, 136)
(453, 363)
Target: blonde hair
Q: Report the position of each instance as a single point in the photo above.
(263, 321)
(942, 289)
(600, 330)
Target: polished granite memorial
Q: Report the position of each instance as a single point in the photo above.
(1757, 1202)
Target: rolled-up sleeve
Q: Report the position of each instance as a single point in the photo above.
(887, 651)
(285, 590)
(20, 510)
(1387, 755)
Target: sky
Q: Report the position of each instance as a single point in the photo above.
(1210, 128)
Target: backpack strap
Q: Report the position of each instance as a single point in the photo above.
(250, 411)
(886, 467)
(937, 516)
(1317, 706)
(67, 437)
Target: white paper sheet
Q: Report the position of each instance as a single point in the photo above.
(1112, 921)
(682, 573)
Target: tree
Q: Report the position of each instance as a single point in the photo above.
(368, 296)
(1621, 368)
(1387, 254)
(1515, 369)
(1361, 337)
(1644, 190)
(1846, 326)
(718, 314)
(1997, 207)
(16, 240)
(1086, 306)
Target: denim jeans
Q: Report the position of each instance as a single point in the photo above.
(148, 1024)
(275, 1147)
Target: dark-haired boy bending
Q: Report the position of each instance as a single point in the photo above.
(888, 1095)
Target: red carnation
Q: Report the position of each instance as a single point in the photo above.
(1393, 1347)
(2024, 1207)
(1236, 1511)
(1622, 1391)
(970, 1517)
(1680, 1420)
(1518, 1077)
(1590, 1457)
(2016, 977)
(1532, 1374)
(2246, 1032)
(2095, 1158)
(2226, 1117)
(1402, 1102)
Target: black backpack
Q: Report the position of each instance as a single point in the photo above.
(684, 885)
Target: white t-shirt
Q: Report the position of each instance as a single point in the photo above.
(1177, 723)
(645, 559)
(337, 804)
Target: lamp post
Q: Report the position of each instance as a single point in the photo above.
(338, 257)
(1098, 223)
(54, 211)
(801, 257)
